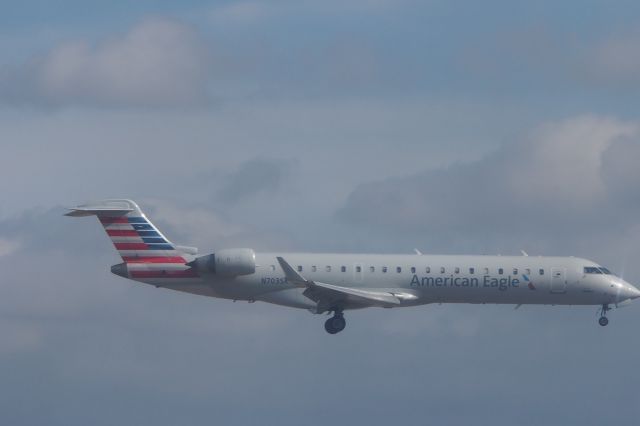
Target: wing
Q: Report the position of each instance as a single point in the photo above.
(329, 295)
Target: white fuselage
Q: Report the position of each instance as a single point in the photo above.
(418, 279)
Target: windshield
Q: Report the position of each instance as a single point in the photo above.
(596, 270)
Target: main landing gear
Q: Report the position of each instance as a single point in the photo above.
(336, 323)
(603, 315)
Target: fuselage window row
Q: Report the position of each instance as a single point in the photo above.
(456, 270)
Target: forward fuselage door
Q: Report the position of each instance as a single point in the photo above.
(558, 280)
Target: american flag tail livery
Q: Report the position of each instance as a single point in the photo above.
(145, 251)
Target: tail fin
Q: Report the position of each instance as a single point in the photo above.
(133, 235)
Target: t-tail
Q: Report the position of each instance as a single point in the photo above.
(136, 239)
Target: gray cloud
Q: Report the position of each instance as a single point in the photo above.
(159, 62)
(254, 177)
(615, 60)
(563, 177)
(82, 346)
(76, 337)
(206, 227)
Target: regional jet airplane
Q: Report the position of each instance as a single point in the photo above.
(334, 283)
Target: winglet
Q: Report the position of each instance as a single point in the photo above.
(291, 273)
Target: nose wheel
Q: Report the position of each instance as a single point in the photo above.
(336, 323)
(603, 320)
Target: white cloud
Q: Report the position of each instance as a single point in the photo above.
(206, 229)
(200, 226)
(557, 180)
(561, 161)
(159, 62)
(8, 246)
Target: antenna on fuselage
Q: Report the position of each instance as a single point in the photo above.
(524, 253)
(418, 252)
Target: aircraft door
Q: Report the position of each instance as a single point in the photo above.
(558, 280)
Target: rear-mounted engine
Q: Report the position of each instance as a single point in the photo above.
(228, 263)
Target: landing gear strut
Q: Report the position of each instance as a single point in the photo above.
(336, 323)
(603, 315)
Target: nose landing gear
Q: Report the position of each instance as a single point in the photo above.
(603, 321)
(336, 323)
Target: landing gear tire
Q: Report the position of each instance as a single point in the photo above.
(335, 324)
(603, 321)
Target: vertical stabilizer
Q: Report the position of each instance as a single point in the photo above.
(136, 239)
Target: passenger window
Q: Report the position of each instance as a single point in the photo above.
(273, 267)
(527, 271)
(442, 270)
(314, 268)
(428, 270)
(299, 268)
(457, 270)
(384, 269)
(515, 271)
(541, 271)
(500, 271)
(358, 268)
(486, 271)
(327, 268)
(343, 269)
(413, 269)
(398, 269)
(372, 269)
(472, 271)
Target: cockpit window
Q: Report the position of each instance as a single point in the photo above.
(606, 271)
(592, 270)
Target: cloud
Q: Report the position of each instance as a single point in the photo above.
(8, 246)
(206, 228)
(239, 12)
(77, 336)
(47, 231)
(159, 62)
(563, 177)
(621, 174)
(250, 11)
(254, 177)
(616, 59)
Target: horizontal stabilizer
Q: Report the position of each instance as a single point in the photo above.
(80, 212)
(103, 208)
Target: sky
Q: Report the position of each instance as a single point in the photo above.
(371, 126)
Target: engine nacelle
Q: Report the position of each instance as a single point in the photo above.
(228, 262)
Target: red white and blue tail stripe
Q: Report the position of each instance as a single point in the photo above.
(145, 251)
(139, 241)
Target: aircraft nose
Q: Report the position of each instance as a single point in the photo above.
(633, 292)
(627, 291)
